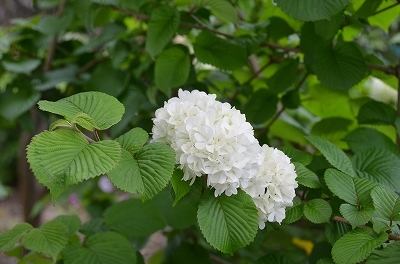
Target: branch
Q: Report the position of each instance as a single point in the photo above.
(387, 70)
(398, 102)
(386, 8)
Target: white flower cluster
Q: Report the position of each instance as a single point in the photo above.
(212, 138)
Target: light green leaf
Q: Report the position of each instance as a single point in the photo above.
(64, 157)
(261, 106)
(228, 223)
(60, 123)
(284, 77)
(222, 9)
(388, 255)
(222, 53)
(318, 211)
(133, 140)
(164, 22)
(386, 203)
(328, 28)
(307, 10)
(335, 156)
(181, 187)
(104, 109)
(172, 68)
(101, 248)
(85, 121)
(342, 185)
(50, 239)
(357, 245)
(335, 230)
(134, 218)
(357, 217)
(339, 67)
(376, 113)
(381, 226)
(306, 177)
(23, 66)
(378, 165)
(296, 155)
(72, 223)
(147, 172)
(11, 237)
(294, 212)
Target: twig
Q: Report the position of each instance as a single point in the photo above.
(387, 70)
(398, 102)
(219, 260)
(90, 64)
(280, 47)
(386, 8)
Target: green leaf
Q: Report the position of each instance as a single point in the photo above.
(357, 245)
(294, 212)
(93, 226)
(133, 140)
(64, 157)
(272, 259)
(332, 129)
(147, 172)
(104, 109)
(363, 189)
(85, 121)
(368, 8)
(261, 106)
(376, 113)
(172, 68)
(357, 217)
(307, 10)
(228, 223)
(181, 187)
(335, 156)
(222, 53)
(60, 123)
(386, 203)
(72, 223)
(11, 237)
(52, 25)
(54, 77)
(335, 230)
(378, 165)
(318, 211)
(284, 77)
(342, 185)
(222, 9)
(13, 105)
(49, 239)
(339, 67)
(101, 248)
(134, 218)
(328, 28)
(306, 177)
(388, 255)
(106, 2)
(164, 22)
(23, 66)
(296, 155)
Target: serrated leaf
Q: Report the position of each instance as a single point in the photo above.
(261, 106)
(222, 9)
(357, 245)
(133, 140)
(335, 156)
(386, 203)
(93, 226)
(85, 121)
(172, 68)
(104, 109)
(60, 123)
(134, 218)
(356, 217)
(296, 155)
(294, 212)
(11, 237)
(307, 10)
(378, 165)
(181, 187)
(222, 53)
(72, 223)
(339, 67)
(388, 255)
(318, 211)
(306, 177)
(363, 190)
(64, 157)
(376, 113)
(342, 185)
(147, 172)
(101, 248)
(335, 230)
(49, 239)
(328, 28)
(228, 223)
(164, 22)
(381, 226)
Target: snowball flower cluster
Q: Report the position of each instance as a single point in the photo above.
(212, 138)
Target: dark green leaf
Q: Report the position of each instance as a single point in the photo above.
(261, 106)
(284, 77)
(386, 203)
(357, 217)
(272, 259)
(376, 113)
(368, 8)
(332, 129)
(294, 212)
(318, 211)
(72, 223)
(181, 187)
(342, 185)
(189, 253)
(357, 245)
(134, 218)
(228, 223)
(172, 68)
(222, 53)
(328, 28)
(164, 22)
(336, 230)
(13, 105)
(222, 9)
(291, 99)
(296, 155)
(388, 255)
(306, 177)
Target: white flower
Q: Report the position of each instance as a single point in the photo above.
(209, 138)
(273, 188)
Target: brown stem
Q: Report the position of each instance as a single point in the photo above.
(387, 70)
(90, 64)
(398, 103)
(386, 8)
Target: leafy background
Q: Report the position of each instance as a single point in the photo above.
(321, 80)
